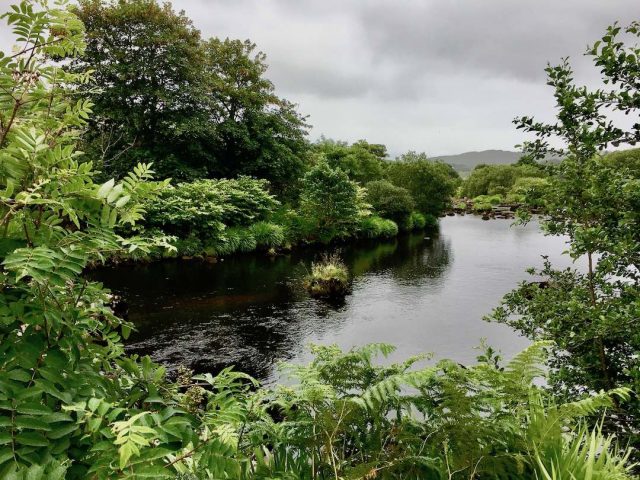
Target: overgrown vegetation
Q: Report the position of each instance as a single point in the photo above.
(328, 278)
(590, 314)
(73, 405)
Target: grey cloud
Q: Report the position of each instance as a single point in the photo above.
(489, 37)
(442, 76)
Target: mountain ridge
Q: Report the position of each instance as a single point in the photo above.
(467, 161)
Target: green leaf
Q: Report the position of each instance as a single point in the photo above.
(32, 423)
(104, 190)
(32, 439)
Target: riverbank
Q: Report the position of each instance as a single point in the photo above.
(271, 239)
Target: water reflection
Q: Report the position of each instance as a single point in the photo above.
(420, 294)
(250, 310)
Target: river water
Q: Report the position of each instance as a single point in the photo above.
(421, 292)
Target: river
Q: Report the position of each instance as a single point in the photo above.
(420, 292)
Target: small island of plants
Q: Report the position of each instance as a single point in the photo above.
(329, 278)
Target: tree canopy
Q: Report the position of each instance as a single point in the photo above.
(197, 108)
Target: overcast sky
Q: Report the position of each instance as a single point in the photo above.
(440, 76)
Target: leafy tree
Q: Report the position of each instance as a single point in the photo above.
(148, 104)
(498, 179)
(431, 183)
(390, 201)
(332, 202)
(256, 132)
(362, 161)
(591, 316)
(196, 108)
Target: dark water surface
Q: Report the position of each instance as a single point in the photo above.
(420, 294)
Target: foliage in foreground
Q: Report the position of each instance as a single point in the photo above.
(346, 416)
(592, 313)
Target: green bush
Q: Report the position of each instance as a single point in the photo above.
(390, 201)
(234, 239)
(189, 246)
(483, 203)
(416, 221)
(431, 184)
(328, 278)
(497, 179)
(529, 189)
(267, 235)
(243, 239)
(206, 206)
(375, 227)
(331, 202)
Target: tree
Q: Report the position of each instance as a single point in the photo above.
(498, 179)
(362, 161)
(431, 183)
(195, 108)
(147, 68)
(332, 202)
(591, 316)
(389, 201)
(256, 132)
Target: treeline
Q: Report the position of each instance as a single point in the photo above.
(73, 405)
(219, 217)
(202, 109)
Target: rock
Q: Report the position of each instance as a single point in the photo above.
(486, 217)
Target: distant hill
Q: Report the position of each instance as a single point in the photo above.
(465, 162)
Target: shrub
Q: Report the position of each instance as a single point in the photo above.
(331, 202)
(484, 203)
(243, 238)
(234, 239)
(497, 179)
(416, 221)
(267, 235)
(206, 206)
(431, 221)
(189, 246)
(375, 227)
(431, 184)
(529, 189)
(390, 201)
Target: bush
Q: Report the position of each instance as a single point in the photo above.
(483, 203)
(375, 227)
(390, 201)
(267, 235)
(431, 184)
(234, 239)
(529, 189)
(189, 246)
(418, 221)
(206, 206)
(497, 179)
(331, 202)
(243, 239)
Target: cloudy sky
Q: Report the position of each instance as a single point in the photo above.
(440, 76)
